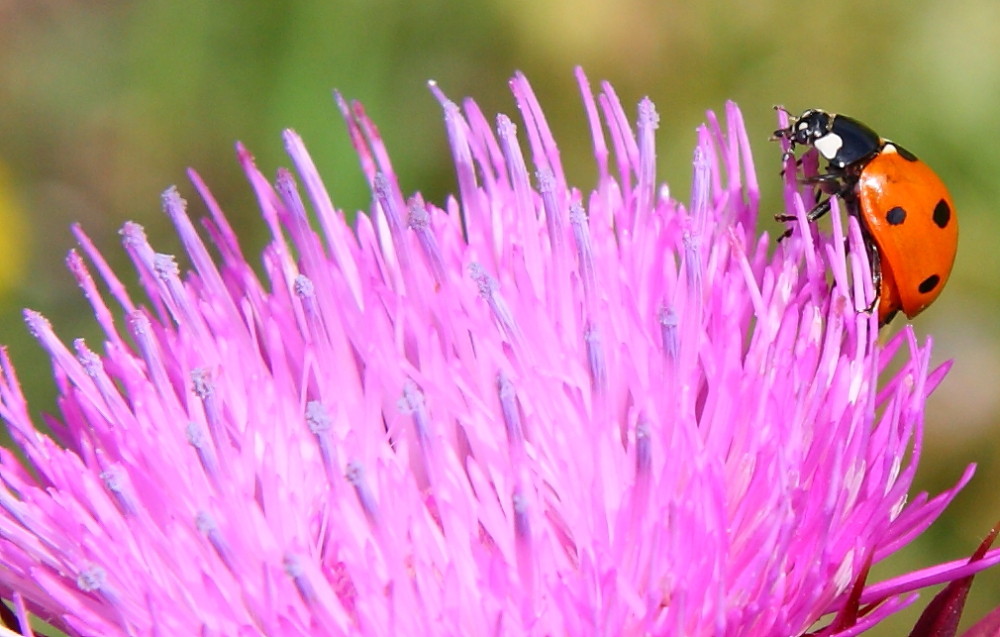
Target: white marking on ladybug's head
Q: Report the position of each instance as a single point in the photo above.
(889, 147)
(829, 145)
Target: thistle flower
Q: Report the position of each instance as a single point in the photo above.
(534, 410)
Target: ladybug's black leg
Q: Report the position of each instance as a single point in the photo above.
(820, 209)
(784, 161)
(817, 211)
(832, 185)
(876, 267)
(814, 213)
(829, 183)
(875, 261)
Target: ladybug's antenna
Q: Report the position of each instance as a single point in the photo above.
(785, 131)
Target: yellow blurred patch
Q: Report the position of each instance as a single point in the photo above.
(13, 234)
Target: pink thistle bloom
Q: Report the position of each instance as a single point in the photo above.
(536, 410)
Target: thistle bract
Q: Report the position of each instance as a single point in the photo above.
(534, 410)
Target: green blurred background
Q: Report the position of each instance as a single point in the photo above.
(103, 104)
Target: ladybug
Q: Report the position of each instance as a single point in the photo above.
(906, 215)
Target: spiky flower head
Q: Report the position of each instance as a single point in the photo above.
(533, 410)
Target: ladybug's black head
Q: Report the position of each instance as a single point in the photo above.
(806, 128)
(843, 141)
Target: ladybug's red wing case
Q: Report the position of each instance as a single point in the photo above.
(910, 216)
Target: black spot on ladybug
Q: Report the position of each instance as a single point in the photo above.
(942, 214)
(905, 154)
(929, 283)
(896, 216)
